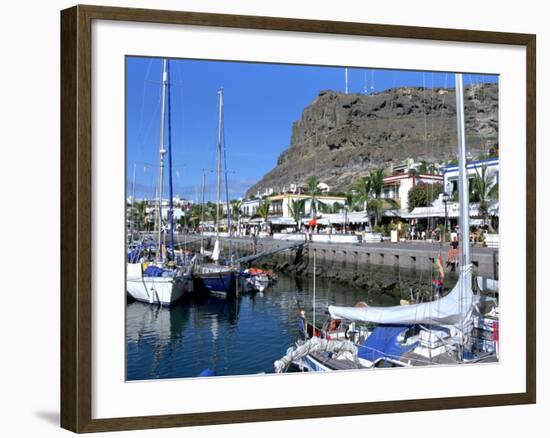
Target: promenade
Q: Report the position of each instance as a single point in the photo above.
(419, 255)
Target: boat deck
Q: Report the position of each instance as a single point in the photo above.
(448, 358)
(410, 358)
(336, 364)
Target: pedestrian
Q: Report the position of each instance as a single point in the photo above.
(302, 325)
(254, 243)
(452, 255)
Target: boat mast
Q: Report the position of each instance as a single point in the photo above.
(464, 192)
(132, 213)
(227, 191)
(162, 151)
(220, 114)
(314, 290)
(171, 192)
(464, 206)
(202, 214)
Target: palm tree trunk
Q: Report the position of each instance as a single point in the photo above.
(366, 209)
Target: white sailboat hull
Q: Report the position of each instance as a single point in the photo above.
(156, 290)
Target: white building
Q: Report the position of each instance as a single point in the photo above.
(397, 187)
(249, 207)
(293, 188)
(450, 174)
(280, 204)
(267, 192)
(178, 213)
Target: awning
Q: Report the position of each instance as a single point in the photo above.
(452, 211)
(282, 221)
(424, 212)
(340, 218)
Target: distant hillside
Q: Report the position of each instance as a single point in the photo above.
(339, 136)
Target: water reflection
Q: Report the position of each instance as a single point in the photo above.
(236, 337)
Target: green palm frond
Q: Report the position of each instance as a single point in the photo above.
(263, 210)
(312, 187)
(297, 209)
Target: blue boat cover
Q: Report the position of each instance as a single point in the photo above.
(133, 256)
(153, 271)
(383, 342)
(207, 373)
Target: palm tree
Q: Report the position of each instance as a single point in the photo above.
(236, 211)
(349, 203)
(337, 207)
(263, 210)
(331, 208)
(484, 191)
(182, 222)
(377, 182)
(206, 212)
(368, 192)
(363, 195)
(194, 215)
(377, 206)
(297, 208)
(314, 192)
(139, 215)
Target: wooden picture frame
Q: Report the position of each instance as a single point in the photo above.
(76, 218)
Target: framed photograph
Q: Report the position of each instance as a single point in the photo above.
(270, 219)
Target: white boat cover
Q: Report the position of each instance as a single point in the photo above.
(216, 251)
(453, 309)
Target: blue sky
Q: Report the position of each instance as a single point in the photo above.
(261, 102)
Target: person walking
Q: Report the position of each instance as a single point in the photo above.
(452, 255)
(302, 325)
(254, 243)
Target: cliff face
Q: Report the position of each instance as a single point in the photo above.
(340, 137)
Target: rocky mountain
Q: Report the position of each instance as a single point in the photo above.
(341, 136)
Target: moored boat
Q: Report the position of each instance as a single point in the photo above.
(218, 280)
(163, 281)
(217, 277)
(157, 285)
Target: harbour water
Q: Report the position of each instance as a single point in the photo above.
(244, 336)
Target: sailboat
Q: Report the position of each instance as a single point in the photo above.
(440, 331)
(217, 278)
(161, 281)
